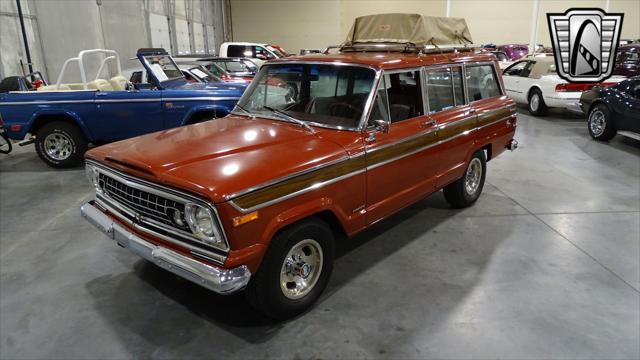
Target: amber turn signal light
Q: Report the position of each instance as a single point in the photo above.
(237, 221)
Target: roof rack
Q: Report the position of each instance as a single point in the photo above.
(407, 47)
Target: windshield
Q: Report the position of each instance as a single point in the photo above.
(627, 58)
(163, 67)
(203, 74)
(276, 51)
(323, 95)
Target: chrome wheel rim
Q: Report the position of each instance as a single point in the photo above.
(473, 176)
(535, 102)
(597, 122)
(301, 269)
(58, 146)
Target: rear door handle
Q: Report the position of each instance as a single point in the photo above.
(100, 93)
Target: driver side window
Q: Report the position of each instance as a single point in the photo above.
(517, 69)
(404, 94)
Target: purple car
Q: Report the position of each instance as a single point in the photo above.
(628, 60)
(514, 51)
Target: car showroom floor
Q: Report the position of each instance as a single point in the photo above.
(545, 265)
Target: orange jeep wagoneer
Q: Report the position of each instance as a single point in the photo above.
(319, 146)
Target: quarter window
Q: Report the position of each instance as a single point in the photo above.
(380, 107)
(482, 82)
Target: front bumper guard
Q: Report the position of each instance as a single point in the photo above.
(222, 281)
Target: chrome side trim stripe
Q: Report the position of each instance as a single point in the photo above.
(211, 98)
(299, 192)
(7, 103)
(108, 101)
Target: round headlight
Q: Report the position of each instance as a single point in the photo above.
(201, 222)
(92, 175)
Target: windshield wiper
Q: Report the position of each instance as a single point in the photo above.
(285, 116)
(246, 111)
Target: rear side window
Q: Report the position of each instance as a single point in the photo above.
(439, 90)
(482, 82)
(240, 51)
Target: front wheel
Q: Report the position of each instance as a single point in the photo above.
(600, 123)
(60, 144)
(295, 270)
(466, 190)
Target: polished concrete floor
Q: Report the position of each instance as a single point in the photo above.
(545, 265)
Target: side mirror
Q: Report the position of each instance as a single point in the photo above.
(381, 125)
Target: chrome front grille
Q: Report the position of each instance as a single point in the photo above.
(145, 204)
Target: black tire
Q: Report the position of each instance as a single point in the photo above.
(72, 140)
(457, 193)
(538, 108)
(264, 290)
(600, 123)
(5, 144)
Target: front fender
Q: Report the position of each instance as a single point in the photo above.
(301, 211)
(217, 108)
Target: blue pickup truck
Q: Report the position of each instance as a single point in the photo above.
(64, 118)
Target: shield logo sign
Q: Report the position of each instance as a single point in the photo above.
(584, 42)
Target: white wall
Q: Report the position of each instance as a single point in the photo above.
(297, 24)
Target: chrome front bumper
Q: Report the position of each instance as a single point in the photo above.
(222, 281)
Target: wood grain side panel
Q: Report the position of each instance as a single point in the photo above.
(397, 150)
(300, 183)
(305, 181)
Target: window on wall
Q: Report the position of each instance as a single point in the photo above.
(482, 82)
(439, 89)
(404, 94)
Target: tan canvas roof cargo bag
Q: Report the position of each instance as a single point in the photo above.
(408, 28)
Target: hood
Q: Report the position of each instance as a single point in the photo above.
(220, 157)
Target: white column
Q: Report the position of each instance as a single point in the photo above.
(534, 25)
(448, 13)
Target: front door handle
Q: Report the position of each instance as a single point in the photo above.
(371, 138)
(428, 123)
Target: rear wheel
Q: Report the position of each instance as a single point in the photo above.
(466, 190)
(537, 106)
(60, 144)
(600, 123)
(295, 270)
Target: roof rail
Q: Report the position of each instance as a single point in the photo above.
(405, 47)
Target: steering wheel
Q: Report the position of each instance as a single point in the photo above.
(333, 108)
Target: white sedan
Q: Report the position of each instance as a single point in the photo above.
(534, 81)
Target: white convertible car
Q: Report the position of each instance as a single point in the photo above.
(534, 81)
